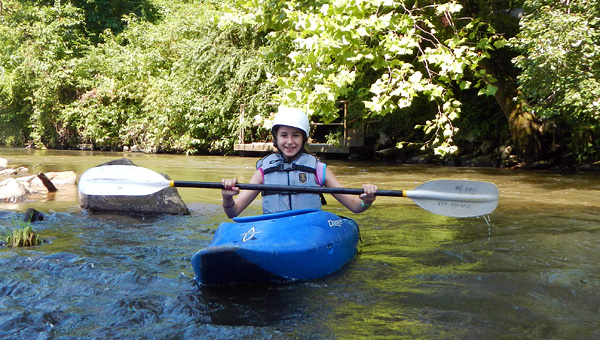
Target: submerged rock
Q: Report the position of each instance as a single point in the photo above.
(165, 201)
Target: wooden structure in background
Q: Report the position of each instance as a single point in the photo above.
(352, 141)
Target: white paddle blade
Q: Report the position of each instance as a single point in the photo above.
(121, 180)
(456, 198)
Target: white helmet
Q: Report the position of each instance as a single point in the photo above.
(291, 117)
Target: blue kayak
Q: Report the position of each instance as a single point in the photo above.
(287, 246)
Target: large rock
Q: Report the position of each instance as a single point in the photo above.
(59, 180)
(165, 201)
(17, 189)
(7, 172)
(3, 163)
(62, 178)
(13, 191)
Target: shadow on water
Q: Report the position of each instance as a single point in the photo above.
(258, 305)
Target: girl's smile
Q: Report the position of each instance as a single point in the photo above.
(289, 141)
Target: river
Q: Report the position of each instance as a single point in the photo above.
(530, 273)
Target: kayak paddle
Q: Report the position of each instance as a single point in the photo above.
(454, 198)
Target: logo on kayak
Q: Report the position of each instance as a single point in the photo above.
(334, 223)
(249, 234)
(302, 177)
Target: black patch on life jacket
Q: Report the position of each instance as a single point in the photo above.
(302, 178)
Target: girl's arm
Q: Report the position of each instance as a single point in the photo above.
(234, 207)
(356, 204)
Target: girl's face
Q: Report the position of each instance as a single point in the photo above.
(289, 141)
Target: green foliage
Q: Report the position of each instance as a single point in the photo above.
(481, 119)
(174, 86)
(174, 76)
(177, 92)
(100, 15)
(396, 50)
(560, 63)
(333, 138)
(39, 45)
(42, 45)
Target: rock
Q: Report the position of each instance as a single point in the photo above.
(8, 172)
(484, 161)
(593, 167)
(165, 201)
(32, 215)
(450, 161)
(136, 148)
(541, 165)
(505, 152)
(486, 147)
(17, 189)
(59, 179)
(12, 172)
(419, 159)
(385, 153)
(13, 191)
(85, 147)
(3, 163)
(120, 161)
(511, 161)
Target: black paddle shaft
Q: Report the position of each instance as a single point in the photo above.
(286, 188)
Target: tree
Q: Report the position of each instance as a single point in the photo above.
(379, 54)
(39, 46)
(526, 129)
(99, 73)
(559, 45)
(173, 87)
(384, 55)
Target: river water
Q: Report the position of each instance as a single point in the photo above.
(531, 273)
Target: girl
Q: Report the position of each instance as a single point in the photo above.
(292, 165)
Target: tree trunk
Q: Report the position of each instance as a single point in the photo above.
(525, 128)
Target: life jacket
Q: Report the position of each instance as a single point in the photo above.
(301, 171)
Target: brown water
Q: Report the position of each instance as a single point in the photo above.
(532, 273)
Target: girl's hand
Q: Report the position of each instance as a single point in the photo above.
(368, 197)
(230, 189)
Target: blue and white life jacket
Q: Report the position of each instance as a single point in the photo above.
(302, 172)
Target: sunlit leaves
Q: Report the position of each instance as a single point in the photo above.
(189, 75)
(401, 51)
